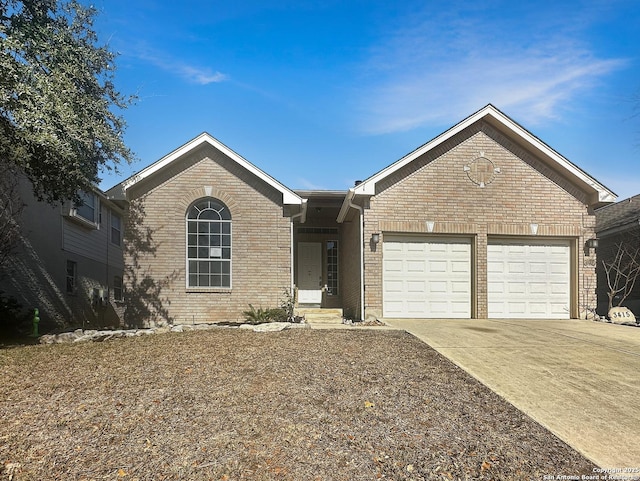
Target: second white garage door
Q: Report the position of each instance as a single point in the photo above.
(528, 279)
(426, 277)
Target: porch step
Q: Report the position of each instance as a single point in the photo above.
(316, 315)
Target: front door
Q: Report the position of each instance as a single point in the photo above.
(310, 273)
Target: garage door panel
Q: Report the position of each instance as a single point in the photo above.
(461, 267)
(414, 247)
(444, 279)
(437, 267)
(538, 307)
(538, 287)
(515, 307)
(416, 306)
(439, 308)
(394, 308)
(515, 268)
(416, 266)
(460, 287)
(496, 287)
(559, 268)
(393, 286)
(415, 287)
(528, 278)
(437, 287)
(538, 268)
(393, 266)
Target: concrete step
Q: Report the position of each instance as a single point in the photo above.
(320, 316)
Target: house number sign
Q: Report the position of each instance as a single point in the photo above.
(481, 171)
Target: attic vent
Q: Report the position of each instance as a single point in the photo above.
(357, 182)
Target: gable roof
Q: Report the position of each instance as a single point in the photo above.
(119, 191)
(504, 124)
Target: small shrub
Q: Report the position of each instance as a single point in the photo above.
(277, 315)
(257, 316)
(260, 315)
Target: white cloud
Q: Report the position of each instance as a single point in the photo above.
(192, 74)
(438, 74)
(201, 76)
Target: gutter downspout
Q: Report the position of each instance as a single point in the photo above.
(349, 199)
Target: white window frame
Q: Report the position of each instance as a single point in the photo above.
(213, 256)
(76, 210)
(118, 229)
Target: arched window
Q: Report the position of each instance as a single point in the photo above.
(208, 244)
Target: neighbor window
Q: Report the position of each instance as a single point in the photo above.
(88, 207)
(72, 277)
(117, 288)
(209, 244)
(116, 228)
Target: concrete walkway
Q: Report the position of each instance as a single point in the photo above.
(579, 379)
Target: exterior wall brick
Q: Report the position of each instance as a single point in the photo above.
(350, 266)
(436, 188)
(156, 242)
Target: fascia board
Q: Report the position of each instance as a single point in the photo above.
(288, 196)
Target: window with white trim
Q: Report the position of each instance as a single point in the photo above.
(116, 228)
(88, 208)
(209, 244)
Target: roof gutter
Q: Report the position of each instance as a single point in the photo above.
(346, 204)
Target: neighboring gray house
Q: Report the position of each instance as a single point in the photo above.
(69, 261)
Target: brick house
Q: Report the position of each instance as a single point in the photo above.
(484, 220)
(207, 234)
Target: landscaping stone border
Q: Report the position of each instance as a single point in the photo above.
(81, 335)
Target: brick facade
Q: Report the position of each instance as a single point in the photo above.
(436, 188)
(156, 237)
(518, 188)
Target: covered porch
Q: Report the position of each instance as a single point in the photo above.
(318, 252)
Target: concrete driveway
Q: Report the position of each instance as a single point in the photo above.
(579, 379)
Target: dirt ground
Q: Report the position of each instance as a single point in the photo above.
(231, 404)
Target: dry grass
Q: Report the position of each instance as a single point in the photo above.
(231, 404)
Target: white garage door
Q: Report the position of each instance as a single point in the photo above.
(528, 279)
(426, 277)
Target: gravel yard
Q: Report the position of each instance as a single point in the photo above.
(231, 404)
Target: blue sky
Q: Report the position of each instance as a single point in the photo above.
(322, 93)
